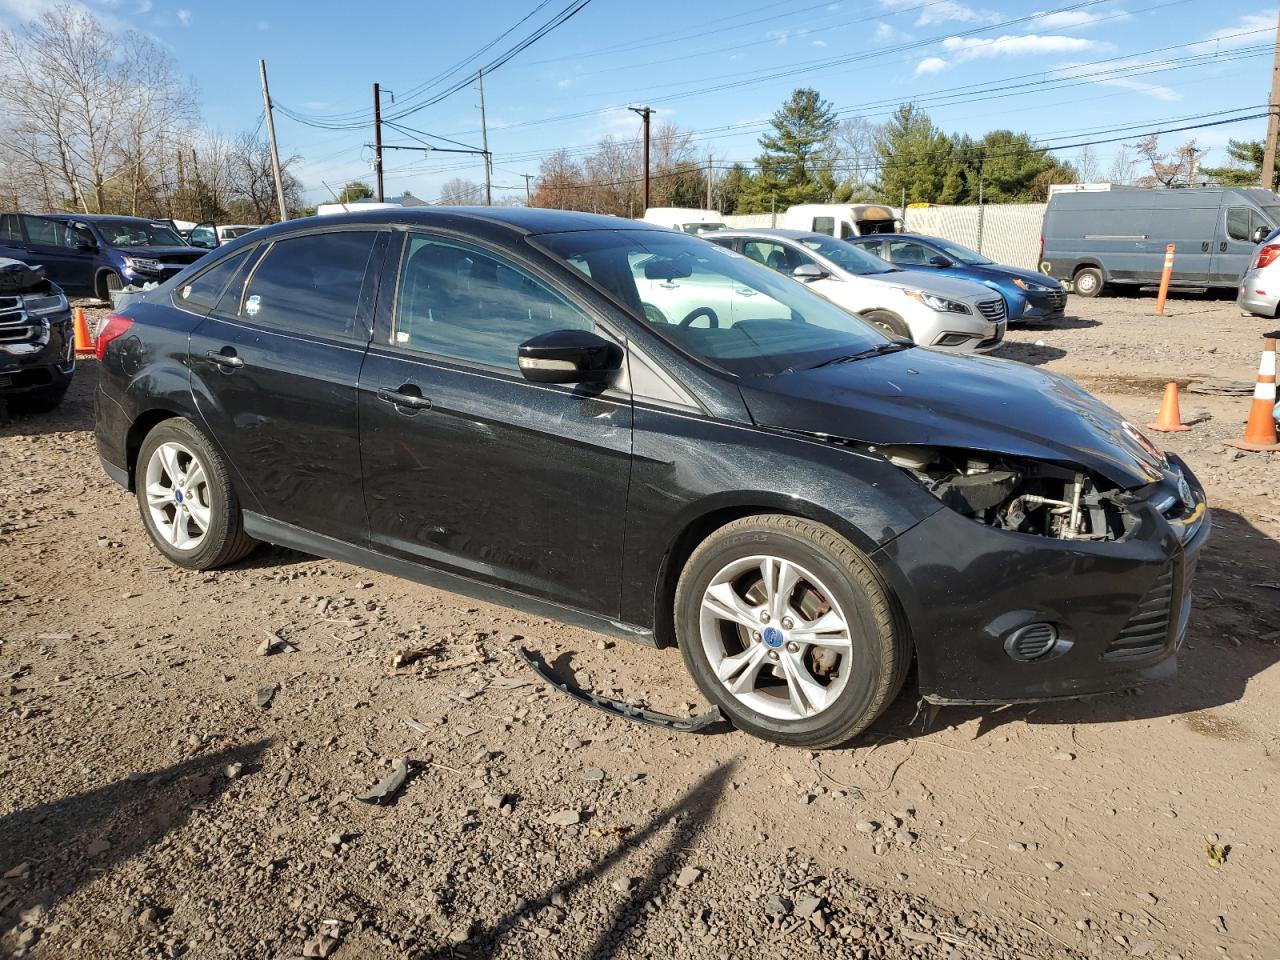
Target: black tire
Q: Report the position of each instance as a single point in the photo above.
(44, 400)
(1088, 282)
(881, 650)
(890, 323)
(110, 282)
(224, 541)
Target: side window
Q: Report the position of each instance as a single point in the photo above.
(203, 291)
(775, 256)
(79, 237)
(1238, 223)
(825, 225)
(9, 228)
(846, 231)
(907, 251)
(458, 302)
(40, 230)
(310, 284)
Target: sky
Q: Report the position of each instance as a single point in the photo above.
(1064, 71)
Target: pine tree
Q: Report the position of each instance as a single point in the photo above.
(795, 163)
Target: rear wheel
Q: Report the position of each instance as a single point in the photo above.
(1088, 282)
(790, 630)
(889, 323)
(188, 506)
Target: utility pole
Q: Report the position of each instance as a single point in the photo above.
(708, 181)
(528, 190)
(1273, 105)
(484, 145)
(271, 136)
(377, 138)
(644, 114)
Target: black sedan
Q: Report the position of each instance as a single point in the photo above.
(486, 400)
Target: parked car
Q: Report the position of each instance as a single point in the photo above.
(802, 504)
(210, 235)
(1118, 236)
(37, 346)
(1027, 295)
(1259, 291)
(933, 311)
(96, 255)
(842, 220)
(688, 219)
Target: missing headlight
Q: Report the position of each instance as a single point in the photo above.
(1026, 496)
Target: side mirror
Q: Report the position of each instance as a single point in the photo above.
(569, 356)
(938, 260)
(1261, 234)
(808, 272)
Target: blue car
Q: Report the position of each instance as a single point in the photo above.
(96, 255)
(1028, 295)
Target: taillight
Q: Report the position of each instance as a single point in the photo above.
(1266, 255)
(112, 327)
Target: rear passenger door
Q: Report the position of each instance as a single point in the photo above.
(274, 368)
(469, 467)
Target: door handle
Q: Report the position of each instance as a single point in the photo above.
(1222, 247)
(399, 397)
(228, 361)
(1204, 247)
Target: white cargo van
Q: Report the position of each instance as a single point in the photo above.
(687, 219)
(842, 220)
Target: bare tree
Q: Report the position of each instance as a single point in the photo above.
(459, 191)
(1167, 169)
(1086, 165)
(1121, 166)
(853, 157)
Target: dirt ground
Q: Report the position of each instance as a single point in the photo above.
(150, 805)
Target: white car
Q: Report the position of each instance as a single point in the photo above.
(944, 313)
(686, 219)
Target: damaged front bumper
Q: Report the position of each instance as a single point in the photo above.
(999, 616)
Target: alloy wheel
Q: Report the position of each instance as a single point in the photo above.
(775, 637)
(177, 491)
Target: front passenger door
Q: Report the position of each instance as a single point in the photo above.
(1235, 246)
(470, 468)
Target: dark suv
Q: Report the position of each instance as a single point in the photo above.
(478, 399)
(96, 255)
(37, 346)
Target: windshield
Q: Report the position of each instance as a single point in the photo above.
(138, 233)
(849, 258)
(962, 254)
(715, 304)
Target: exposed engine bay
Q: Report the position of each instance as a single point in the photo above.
(1025, 496)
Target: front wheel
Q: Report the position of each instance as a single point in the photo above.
(790, 630)
(1088, 282)
(188, 506)
(889, 323)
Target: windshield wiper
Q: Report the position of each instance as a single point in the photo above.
(893, 346)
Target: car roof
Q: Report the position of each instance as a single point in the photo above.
(774, 232)
(518, 220)
(96, 217)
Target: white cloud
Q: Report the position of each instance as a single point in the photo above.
(562, 84)
(973, 48)
(818, 43)
(1154, 90)
(1246, 31)
(1067, 19)
(884, 32)
(184, 16)
(15, 12)
(931, 65)
(943, 11)
(144, 6)
(263, 26)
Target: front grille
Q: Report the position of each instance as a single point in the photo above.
(1147, 631)
(1056, 300)
(993, 310)
(15, 325)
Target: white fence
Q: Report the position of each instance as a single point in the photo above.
(1005, 232)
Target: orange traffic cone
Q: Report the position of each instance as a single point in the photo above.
(1260, 431)
(1170, 418)
(84, 342)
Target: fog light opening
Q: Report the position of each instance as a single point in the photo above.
(1034, 641)
(952, 339)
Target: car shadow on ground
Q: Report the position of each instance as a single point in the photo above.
(1027, 353)
(1069, 322)
(69, 842)
(1231, 641)
(75, 413)
(683, 820)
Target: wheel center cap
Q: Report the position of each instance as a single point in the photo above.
(177, 495)
(772, 637)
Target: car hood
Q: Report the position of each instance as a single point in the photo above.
(957, 289)
(928, 398)
(996, 271)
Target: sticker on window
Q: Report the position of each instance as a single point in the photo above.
(186, 292)
(253, 305)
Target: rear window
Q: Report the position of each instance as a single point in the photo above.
(310, 284)
(203, 291)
